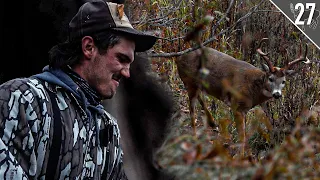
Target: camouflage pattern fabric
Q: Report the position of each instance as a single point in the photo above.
(26, 131)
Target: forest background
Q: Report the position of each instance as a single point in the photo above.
(283, 142)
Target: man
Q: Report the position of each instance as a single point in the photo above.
(52, 124)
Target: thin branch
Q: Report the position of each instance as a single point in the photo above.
(273, 11)
(254, 9)
(224, 16)
(175, 54)
(159, 19)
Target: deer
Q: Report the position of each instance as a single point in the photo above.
(237, 83)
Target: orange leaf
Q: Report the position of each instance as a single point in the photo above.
(120, 8)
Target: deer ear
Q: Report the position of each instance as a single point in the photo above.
(290, 72)
(265, 67)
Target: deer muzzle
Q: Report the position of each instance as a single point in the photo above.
(277, 95)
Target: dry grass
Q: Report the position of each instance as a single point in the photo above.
(283, 145)
(283, 142)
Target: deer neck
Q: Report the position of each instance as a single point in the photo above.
(262, 90)
(266, 89)
(266, 93)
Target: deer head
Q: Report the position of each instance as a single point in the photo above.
(276, 77)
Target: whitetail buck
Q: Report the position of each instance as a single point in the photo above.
(238, 83)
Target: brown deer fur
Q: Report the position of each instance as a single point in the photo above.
(237, 83)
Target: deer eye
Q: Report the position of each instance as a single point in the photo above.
(283, 82)
(270, 79)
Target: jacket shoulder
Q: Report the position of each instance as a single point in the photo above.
(22, 87)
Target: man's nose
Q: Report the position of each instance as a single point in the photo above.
(125, 72)
(276, 95)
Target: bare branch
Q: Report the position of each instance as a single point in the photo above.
(164, 17)
(213, 38)
(225, 15)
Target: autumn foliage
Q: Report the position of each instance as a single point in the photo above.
(283, 135)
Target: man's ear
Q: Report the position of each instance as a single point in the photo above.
(265, 67)
(87, 47)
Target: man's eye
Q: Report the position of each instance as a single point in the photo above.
(123, 59)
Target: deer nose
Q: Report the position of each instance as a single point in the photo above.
(276, 95)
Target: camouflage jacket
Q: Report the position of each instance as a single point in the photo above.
(89, 149)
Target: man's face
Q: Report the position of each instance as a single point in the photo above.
(105, 71)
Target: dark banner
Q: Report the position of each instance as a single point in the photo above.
(305, 14)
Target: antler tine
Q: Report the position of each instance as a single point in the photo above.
(264, 55)
(287, 58)
(300, 58)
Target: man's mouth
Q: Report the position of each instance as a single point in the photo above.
(117, 77)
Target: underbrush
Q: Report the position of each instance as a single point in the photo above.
(268, 153)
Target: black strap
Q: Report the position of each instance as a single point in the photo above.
(56, 140)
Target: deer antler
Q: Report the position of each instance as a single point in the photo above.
(265, 55)
(301, 58)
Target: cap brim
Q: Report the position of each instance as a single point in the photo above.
(143, 41)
